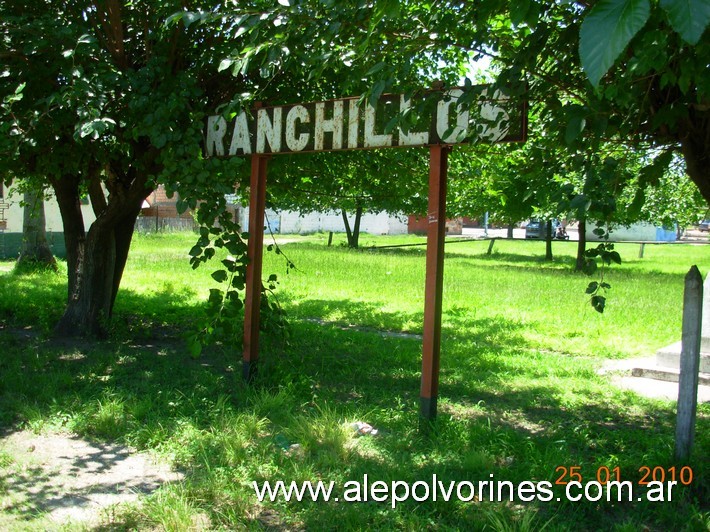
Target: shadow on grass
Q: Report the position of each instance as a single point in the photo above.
(71, 477)
(347, 313)
(504, 410)
(564, 255)
(488, 424)
(479, 249)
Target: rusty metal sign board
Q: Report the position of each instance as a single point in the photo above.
(445, 117)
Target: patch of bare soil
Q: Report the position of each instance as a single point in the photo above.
(66, 479)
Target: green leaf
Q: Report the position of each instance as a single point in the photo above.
(225, 64)
(518, 11)
(195, 346)
(580, 203)
(590, 267)
(615, 257)
(606, 31)
(598, 302)
(575, 126)
(688, 17)
(215, 297)
(391, 124)
(651, 174)
(377, 91)
(375, 69)
(219, 275)
(191, 17)
(634, 209)
(592, 287)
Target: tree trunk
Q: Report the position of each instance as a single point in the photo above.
(348, 232)
(98, 277)
(35, 248)
(89, 306)
(354, 233)
(66, 189)
(581, 246)
(124, 234)
(696, 151)
(548, 241)
(356, 227)
(96, 260)
(511, 225)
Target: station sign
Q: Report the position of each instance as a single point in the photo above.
(454, 116)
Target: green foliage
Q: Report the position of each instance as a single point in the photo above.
(225, 306)
(688, 17)
(606, 31)
(610, 26)
(606, 254)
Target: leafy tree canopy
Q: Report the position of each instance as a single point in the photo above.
(630, 71)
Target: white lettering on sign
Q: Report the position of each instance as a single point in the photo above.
(443, 119)
(216, 129)
(353, 123)
(372, 139)
(240, 137)
(268, 129)
(333, 125)
(300, 114)
(411, 138)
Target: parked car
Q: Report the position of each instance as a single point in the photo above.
(536, 228)
(704, 225)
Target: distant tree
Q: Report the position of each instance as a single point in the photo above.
(352, 183)
(671, 199)
(35, 249)
(491, 179)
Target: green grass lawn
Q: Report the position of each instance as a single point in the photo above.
(519, 392)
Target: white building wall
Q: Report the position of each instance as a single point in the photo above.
(14, 211)
(639, 232)
(292, 222)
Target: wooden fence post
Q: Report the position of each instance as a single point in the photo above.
(689, 365)
(641, 248)
(490, 246)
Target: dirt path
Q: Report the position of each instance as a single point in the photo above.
(60, 478)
